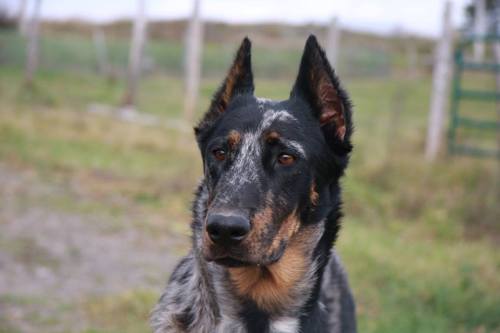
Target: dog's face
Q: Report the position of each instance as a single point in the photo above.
(266, 162)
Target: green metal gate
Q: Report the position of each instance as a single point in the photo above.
(459, 94)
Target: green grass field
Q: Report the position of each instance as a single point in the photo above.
(420, 242)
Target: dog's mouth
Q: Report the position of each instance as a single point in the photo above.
(231, 262)
(243, 255)
(227, 260)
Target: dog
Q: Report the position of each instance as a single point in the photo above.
(267, 211)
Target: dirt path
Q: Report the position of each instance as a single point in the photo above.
(52, 258)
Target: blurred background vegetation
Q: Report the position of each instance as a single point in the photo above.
(95, 204)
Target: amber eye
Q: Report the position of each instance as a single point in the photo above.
(219, 154)
(286, 159)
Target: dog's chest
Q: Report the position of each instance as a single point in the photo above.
(284, 325)
(280, 325)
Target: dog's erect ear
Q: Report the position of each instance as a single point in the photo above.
(318, 85)
(239, 80)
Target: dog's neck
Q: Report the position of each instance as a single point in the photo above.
(277, 296)
(263, 299)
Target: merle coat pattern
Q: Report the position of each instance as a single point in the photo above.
(267, 211)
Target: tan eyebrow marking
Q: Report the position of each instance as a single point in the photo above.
(233, 138)
(272, 136)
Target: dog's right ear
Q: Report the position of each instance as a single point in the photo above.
(239, 80)
(320, 87)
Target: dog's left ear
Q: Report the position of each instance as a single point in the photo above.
(318, 85)
(239, 80)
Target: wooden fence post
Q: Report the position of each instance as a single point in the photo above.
(192, 63)
(332, 43)
(440, 84)
(21, 17)
(135, 56)
(33, 45)
(480, 27)
(496, 178)
(100, 50)
(412, 57)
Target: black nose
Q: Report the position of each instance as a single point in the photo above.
(227, 229)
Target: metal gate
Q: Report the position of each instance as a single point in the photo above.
(459, 94)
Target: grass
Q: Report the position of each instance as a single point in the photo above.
(429, 286)
(136, 304)
(419, 241)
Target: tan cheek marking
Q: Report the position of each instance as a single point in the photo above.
(287, 229)
(259, 223)
(262, 218)
(313, 195)
(269, 287)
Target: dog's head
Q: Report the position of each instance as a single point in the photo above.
(267, 163)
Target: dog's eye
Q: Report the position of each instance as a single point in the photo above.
(219, 154)
(286, 159)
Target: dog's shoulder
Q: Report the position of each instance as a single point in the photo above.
(174, 312)
(337, 298)
(187, 303)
